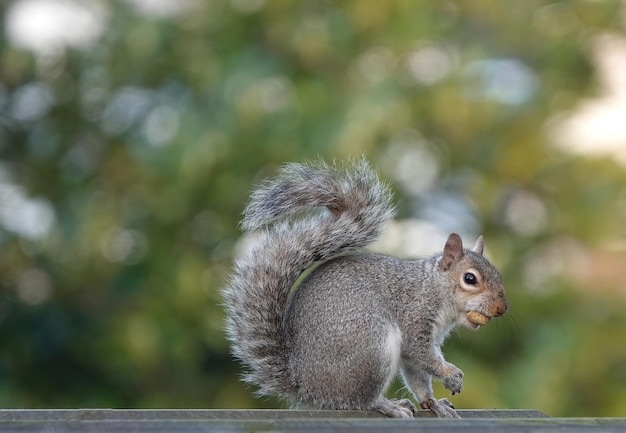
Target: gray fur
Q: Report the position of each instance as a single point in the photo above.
(357, 319)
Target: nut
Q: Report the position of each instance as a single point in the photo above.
(477, 318)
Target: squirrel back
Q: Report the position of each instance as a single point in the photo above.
(358, 206)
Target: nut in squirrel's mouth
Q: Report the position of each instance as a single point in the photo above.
(476, 318)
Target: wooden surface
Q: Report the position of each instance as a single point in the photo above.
(109, 420)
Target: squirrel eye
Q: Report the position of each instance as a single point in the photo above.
(470, 278)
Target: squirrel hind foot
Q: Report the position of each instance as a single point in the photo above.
(441, 408)
(395, 408)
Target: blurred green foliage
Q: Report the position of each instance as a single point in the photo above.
(125, 165)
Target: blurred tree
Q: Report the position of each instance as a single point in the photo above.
(129, 144)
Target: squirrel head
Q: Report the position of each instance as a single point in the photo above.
(478, 288)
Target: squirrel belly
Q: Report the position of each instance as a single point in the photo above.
(357, 319)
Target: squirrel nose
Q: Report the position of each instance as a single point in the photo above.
(501, 308)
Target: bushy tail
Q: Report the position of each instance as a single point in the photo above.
(256, 296)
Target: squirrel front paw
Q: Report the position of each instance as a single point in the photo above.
(452, 378)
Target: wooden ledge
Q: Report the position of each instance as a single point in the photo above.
(230, 414)
(194, 420)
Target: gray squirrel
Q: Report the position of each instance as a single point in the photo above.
(356, 319)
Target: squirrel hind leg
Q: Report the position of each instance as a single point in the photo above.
(395, 408)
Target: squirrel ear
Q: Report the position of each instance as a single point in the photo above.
(452, 251)
(480, 245)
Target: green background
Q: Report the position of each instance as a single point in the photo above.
(125, 165)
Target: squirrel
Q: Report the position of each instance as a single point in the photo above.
(356, 319)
